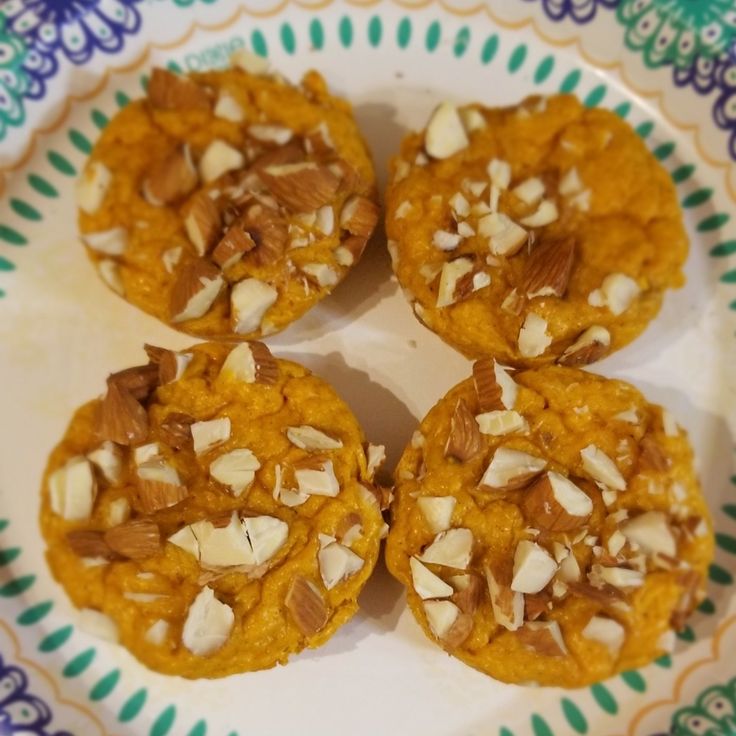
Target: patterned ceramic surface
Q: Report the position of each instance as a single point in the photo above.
(66, 66)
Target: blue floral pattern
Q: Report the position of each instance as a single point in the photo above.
(712, 714)
(14, 81)
(20, 711)
(581, 11)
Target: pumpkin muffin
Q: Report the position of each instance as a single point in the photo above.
(540, 233)
(214, 511)
(228, 203)
(549, 527)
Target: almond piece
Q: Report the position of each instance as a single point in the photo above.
(303, 187)
(499, 423)
(122, 418)
(426, 583)
(359, 216)
(601, 468)
(249, 62)
(175, 430)
(617, 292)
(618, 577)
(496, 390)
(306, 606)
(209, 434)
(171, 366)
(110, 242)
(197, 286)
(437, 511)
(250, 299)
(452, 548)
(234, 244)
(108, 459)
(319, 140)
(543, 637)
(605, 631)
(652, 532)
(235, 469)
(510, 470)
(652, 456)
(171, 179)
(555, 503)
(350, 251)
(536, 605)
(547, 270)
(266, 536)
(533, 336)
(228, 108)
(691, 583)
(533, 567)
(137, 539)
(203, 222)
(505, 237)
(592, 345)
(109, 271)
(445, 134)
(319, 481)
(276, 134)
(468, 598)
(530, 191)
(337, 563)
(251, 362)
(269, 231)
(291, 153)
(155, 495)
(545, 214)
(308, 438)
(207, 625)
(219, 158)
(169, 91)
(447, 622)
(321, 274)
(604, 594)
(507, 605)
(139, 381)
(451, 275)
(464, 441)
(88, 543)
(92, 186)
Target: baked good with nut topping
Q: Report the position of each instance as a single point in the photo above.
(214, 511)
(549, 527)
(228, 203)
(540, 233)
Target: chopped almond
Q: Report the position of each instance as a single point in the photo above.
(203, 222)
(543, 637)
(306, 606)
(175, 430)
(555, 503)
(88, 543)
(122, 418)
(536, 605)
(507, 604)
(267, 369)
(589, 347)
(171, 179)
(171, 366)
(486, 385)
(169, 91)
(250, 299)
(464, 441)
(136, 539)
(155, 495)
(547, 270)
(269, 231)
(606, 595)
(691, 585)
(291, 153)
(510, 470)
(235, 243)
(533, 567)
(350, 251)
(468, 598)
(303, 187)
(359, 216)
(348, 176)
(445, 134)
(139, 381)
(197, 286)
(652, 456)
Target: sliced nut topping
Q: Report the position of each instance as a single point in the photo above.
(337, 563)
(320, 273)
(306, 606)
(513, 303)
(287, 496)
(617, 292)
(652, 532)
(172, 365)
(494, 386)
(235, 469)
(426, 583)
(175, 430)
(203, 222)
(219, 158)
(605, 631)
(303, 187)
(448, 623)
(92, 187)
(652, 456)
(603, 593)
(122, 418)
(464, 441)
(445, 134)
(617, 577)
(171, 257)
(499, 423)
(90, 544)
(108, 459)
(251, 362)
(472, 119)
(234, 244)
(547, 270)
(320, 481)
(451, 548)
(451, 275)
(533, 336)
(511, 469)
(197, 286)
(506, 238)
(250, 299)
(545, 214)
(228, 108)
(507, 605)
(249, 62)
(601, 468)
(319, 140)
(138, 381)
(543, 637)
(444, 240)
(109, 242)
(530, 191)
(207, 625)
(171, 179)
(536, 605)
(533, 567)
(155, 495)
(137, 539)
(359, 216)
(350, 251)
(468, 592)
(269, 231)
(309, 438)
(277, 134)
(209, 434)
(459, 205)
(157, 632)
(375, 458)
(570, 183)
(109, 271)
(499, 172)
(555, 503)
(591, 345)
(169, 91)
(437, 511)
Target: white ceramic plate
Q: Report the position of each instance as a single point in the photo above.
(65, 69)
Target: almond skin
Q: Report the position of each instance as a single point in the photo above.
(348, 177)
(652, 456)
(155, 495)
(139, 381)
(204, 222)
(171, 179)
(547, 270)
(234, 243)
(267, 368)
(137, 539)
(469, 599)
(605, 595)
(306, 606)
(269, 231)
(188, 283)
(543, 511)
(486, 387)
(291, 153)
(302, 187)
(459, 631)
(121, 417)
(355, 245)
(169, 91)
(535, 605)
(88, 543)
(359, 216)
(175, 430)
(585, 355)
(464, 441)
(541, 641)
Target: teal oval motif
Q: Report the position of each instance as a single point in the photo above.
(540, 726)
(517, 58)
(623, 109)
(162, 725)
(490, 49)
(143, 80)
(698, 197)
(604, 698)
(121, 98)
(725, 541)
(258, 42)
(713, 222)
(11, 236)
(375, 31)
(4, 523)
(80, 141)
(105, 686)
(462, 41)
(288, 39)
(55, 639)
(432, 39)
(42, 186)
(729, 277)
(316, 34)
(544, 69)
(345, 31)
(61, 164)
(79, 664)
(644, 129)
(11, 553)
(17, 586)
(730, 510)
(665, 661)
(686, 634)
(133, 705)
(707, 606)
(664, 151)
(682, 173)
(574, 716)
(505, 732)
(723, 249)
(403, 33)
(99, 119)
(25, 210)
(199, 729)
(595, 96)
(570, 81)
(717, 573)
(634, 680)
(6, 265)
(34, 614)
